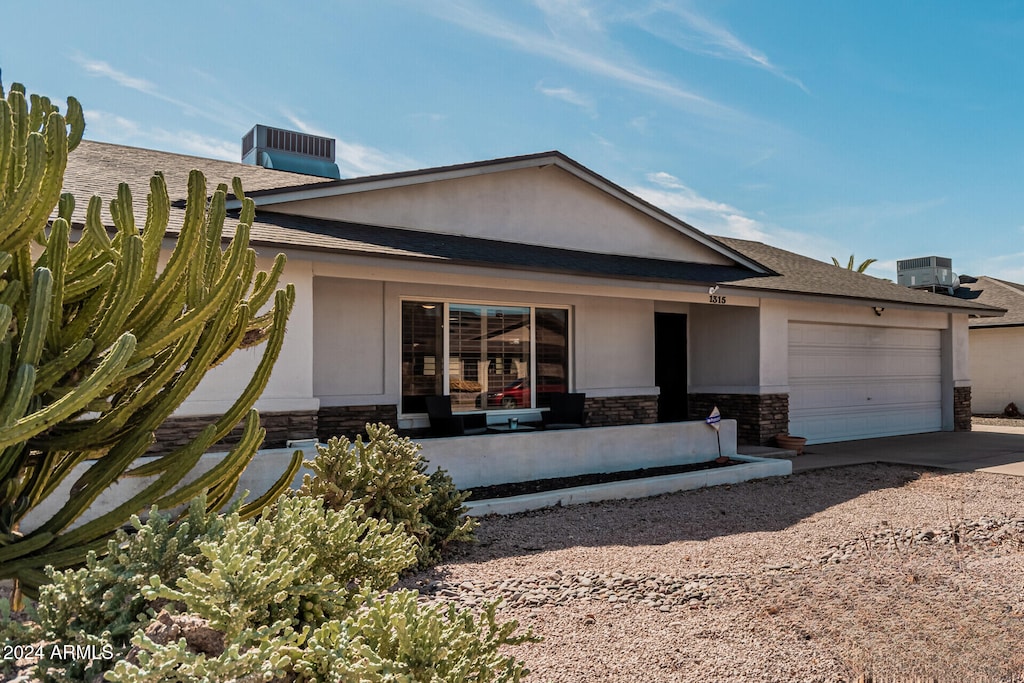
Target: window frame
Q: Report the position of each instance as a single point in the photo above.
(445, 362)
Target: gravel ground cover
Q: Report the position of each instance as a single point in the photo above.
(879, 571)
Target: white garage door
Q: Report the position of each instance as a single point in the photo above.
(850, 382)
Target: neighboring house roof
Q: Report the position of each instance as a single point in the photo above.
(804, 275)
(995, 292)
(97, 168)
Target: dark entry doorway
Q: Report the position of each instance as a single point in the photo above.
(670, 365)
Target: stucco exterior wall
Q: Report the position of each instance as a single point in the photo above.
(724, 355)
(543, 206)
(996, 368)
(348, 338)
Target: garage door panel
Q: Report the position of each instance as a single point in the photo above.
(854, 382)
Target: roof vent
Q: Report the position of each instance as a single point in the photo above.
(933, 273)
(288, 150)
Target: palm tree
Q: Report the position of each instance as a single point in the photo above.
(849, 266)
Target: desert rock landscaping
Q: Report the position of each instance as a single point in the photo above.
(871, 571)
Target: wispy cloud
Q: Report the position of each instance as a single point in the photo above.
(713, 217)
(568, 95)
(620, 69)
(679, 25)
(666, 191)
(353, 158)
(95, 67)
(1004, 266)
(229, 116)
(107, 127)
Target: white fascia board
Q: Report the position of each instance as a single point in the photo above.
(857, 301)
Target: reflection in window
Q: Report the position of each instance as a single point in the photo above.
(422, 346)
(552, 354)
(493, 352)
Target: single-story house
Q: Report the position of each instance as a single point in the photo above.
(997, 344)
(499, 282)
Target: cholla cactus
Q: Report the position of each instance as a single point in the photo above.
(98, 346)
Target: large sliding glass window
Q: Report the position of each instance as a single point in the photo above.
(493, 357)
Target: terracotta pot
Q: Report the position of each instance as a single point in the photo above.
(791, 443)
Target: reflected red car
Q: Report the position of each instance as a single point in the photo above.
(517, 394)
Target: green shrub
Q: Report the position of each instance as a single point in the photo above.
(102, 604)
(300, 595)
(301, 563)
(386, 477)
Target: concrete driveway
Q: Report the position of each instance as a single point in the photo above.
(986, 449)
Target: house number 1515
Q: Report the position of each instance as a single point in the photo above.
(716, 298)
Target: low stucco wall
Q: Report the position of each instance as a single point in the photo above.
(265, 469)
(470, 460)
(501, 458)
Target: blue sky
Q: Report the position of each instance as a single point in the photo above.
(885, 130)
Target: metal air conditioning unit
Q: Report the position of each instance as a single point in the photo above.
(287, 150)
(933, 273)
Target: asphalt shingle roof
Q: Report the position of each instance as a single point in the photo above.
(97, 168)
(804, 275)
(999, 293)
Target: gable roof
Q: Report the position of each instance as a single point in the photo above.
(316, 190)
(995, 292)
(97, 168)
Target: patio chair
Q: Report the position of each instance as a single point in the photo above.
(566, 412)
(444, 423)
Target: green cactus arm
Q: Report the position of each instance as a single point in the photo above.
(66, 207)
(283, 303)
(50, 373)
(24, 546)
(193, 319)
(22, 197)
(84, 313)
(100, 431)
(124, 292)
(57, 251)
(158, 212)
(76, 122)
(167, 283)
(34, 326)
(43, 184)
(94, 481)
(28, 570)
(65, 462)
(77, 289)
(7, 157)
(227, 470)
(186, 458)
(283, 483)
(6, 354)
(94, 233)
(70, 404)
(263, 290)
(16, 400)
(122, 212)
(236, 335)
(18, 136)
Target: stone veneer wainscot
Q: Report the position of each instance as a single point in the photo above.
(759, 417)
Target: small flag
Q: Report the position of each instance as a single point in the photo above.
(714, 418)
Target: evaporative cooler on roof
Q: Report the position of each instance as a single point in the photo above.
(288, 150)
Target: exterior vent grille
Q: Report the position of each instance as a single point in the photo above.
(933, 273)
(288, 150)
